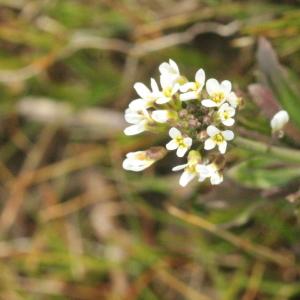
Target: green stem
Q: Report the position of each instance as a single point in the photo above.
(282, 153)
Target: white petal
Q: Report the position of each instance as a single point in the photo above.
(174, 133)
(188, 96)
(160, 116)
(174, 66)
(133, 155)
(172, 145)
(136, 165)
(222, 147)
(166, 81)
(231, 111)
(233, 99)
(179, 167)
(279, 120)
(181, 151)
(134, 129)
(212, 130)
(175, 88)
(142, 90)
(228, 135)
(228, 122)
(203, 170)
(224, 107)
(154, 86)
(209, 144)
(208, 103)
(188, 141)
(226, 86)
(164, 68)
(212, 86)
(162, 100)
(132, 117)
(216, 178)
(138, 104)
(127, 164)
(186, 177)
(200, 77)
(187, 86)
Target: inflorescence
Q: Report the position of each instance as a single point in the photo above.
(196, 114)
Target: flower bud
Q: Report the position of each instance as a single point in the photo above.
(279, 120)
(140, 160)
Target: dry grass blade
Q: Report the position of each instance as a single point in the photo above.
(186, 291)
(261, 251)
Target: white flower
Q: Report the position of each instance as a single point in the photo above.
(218, 137)
(225, 113)
(169, 89)
(182, 144)
(147, 97)
(233, 99)
(139, 119)
(163, 115)
(191, 169)
(192, 90)
(137, 161)
(214, 174)
(279, 120)
(170, 70)
(218, 92)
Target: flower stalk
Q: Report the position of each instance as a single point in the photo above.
(285, 154)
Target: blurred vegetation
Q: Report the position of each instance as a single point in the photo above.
(73, 224)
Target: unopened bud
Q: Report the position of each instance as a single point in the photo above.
(278, 121)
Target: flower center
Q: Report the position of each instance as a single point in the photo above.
(225, 115)
(181, 80)
(180, 142)
(218, 138)
(191, 168)
(197, 86)
(218, 97)
(167, 92)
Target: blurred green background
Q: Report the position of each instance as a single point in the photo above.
(73, 224)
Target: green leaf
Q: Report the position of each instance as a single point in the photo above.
(263, 172)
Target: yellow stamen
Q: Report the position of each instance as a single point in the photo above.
(180, 142)
(226, 115)
(218, 138)
(167, 92)
(197, 86)
(218, 97)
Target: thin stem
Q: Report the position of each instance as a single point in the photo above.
(289, 155)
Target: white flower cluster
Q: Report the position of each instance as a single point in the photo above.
(197, 115)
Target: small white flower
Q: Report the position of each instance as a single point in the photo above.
(147, 97)
(218, 92)
(137, 161)
(233, 99)
(163, 115)
(191, 169)
(192, 90)
(169, 89)
(214, 174)
(218, 137)
(182, 144)
(225, 113)
(139, 118)
(279, 120)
